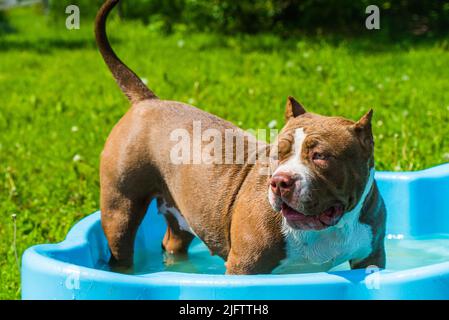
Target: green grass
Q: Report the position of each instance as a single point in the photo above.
(58, 103)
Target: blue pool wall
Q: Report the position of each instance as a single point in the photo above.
(417, 204)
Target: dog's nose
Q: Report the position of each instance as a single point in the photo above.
(282, 183)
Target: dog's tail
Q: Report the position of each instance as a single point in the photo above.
(128, 81)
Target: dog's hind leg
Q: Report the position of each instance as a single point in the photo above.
(126, 192)
(176, 239)
(121, 216)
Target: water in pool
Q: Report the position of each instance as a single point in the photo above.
(402, 253)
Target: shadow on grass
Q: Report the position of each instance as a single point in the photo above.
(5, 26)
(46, 45)
(243, 42)
(363, 44)
(23, 30)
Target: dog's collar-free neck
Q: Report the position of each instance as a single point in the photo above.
(356, 210)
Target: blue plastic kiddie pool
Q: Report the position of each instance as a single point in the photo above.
(417, 245)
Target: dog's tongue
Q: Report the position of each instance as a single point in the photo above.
(298, 220)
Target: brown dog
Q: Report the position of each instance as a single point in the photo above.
(319, 208)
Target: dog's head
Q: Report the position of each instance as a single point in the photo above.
(322, 169)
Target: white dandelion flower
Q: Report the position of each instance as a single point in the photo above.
(272, 124)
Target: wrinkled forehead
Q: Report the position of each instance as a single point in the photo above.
(322, 129)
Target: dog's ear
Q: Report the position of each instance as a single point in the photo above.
(293, 109)
(363, 129)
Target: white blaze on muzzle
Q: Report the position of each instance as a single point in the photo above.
(294, 166)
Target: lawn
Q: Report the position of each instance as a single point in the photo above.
(58, 103)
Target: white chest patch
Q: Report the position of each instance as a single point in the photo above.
(317, 251)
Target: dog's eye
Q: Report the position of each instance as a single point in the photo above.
(319, 157)
(284, 147)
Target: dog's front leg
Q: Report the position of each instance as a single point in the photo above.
(375, 259)
(254, 250)
(257, 244)
(252, 262)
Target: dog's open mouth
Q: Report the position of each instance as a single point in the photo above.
(325, 219)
